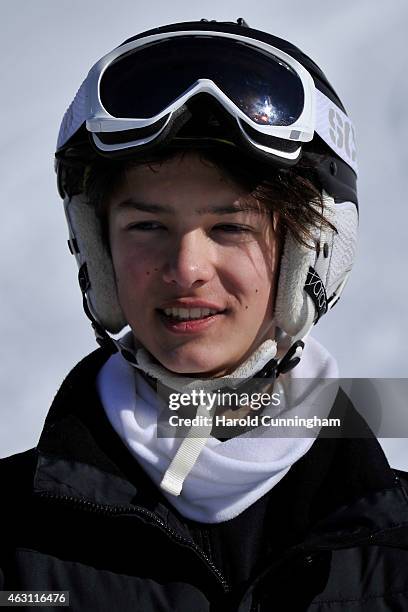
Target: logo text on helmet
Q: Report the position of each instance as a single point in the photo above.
(315, 288)
(342, 133)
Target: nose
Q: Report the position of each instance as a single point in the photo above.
(190, 261)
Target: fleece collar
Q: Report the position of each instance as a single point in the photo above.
(204, 478)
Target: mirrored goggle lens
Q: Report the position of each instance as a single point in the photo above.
(144, 82)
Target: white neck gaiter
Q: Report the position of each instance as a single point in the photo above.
(224, 477)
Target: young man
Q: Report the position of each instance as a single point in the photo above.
(209, 179)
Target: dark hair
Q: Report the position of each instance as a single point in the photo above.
(294, 192)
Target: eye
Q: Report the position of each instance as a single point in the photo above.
(231, 228)
(145, 226)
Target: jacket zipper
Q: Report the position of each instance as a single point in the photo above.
(153, 518)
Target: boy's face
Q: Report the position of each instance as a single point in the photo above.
(179, 241)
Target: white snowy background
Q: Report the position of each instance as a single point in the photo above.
(47, 47)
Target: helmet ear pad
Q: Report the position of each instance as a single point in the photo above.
(293, 307)
(331, 257)
(85, 232)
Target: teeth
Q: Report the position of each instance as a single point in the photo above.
(189, 313)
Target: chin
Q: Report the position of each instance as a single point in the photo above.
(194, 367)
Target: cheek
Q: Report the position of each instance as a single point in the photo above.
(137, 272)
(256, 271)
(258, 276)
(133, 272)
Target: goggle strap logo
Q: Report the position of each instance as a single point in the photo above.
(336, 129)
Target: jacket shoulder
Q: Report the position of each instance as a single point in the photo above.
(403, 477)
(17, 474)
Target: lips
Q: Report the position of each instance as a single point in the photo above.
(187, 309)
(189, 325)
(190, 303)
(189, 315)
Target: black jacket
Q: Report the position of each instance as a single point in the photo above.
(77, 513)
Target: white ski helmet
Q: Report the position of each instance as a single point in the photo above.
(271, 102)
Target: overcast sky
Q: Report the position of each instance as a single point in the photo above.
(48, 46)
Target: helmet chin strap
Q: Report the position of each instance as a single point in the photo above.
(271, 369)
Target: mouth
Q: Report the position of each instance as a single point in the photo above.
(189, 319)
(189, 314)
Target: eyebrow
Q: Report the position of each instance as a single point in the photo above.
(226, 209)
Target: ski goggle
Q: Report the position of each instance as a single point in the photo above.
(134, 93)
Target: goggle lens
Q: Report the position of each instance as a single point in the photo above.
(144, 82)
